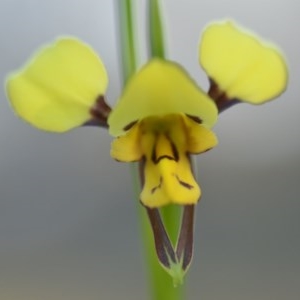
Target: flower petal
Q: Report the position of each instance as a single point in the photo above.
(161, 88)
(243, 66)
(169, 182)
(57, 88)
(127, 148)
(199, 139)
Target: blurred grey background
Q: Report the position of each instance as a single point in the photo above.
(68, 219)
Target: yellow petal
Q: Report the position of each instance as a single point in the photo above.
(169, 182)
(199, 139)
(152, 194)
(127, 148)
(57, 88)
(243, 66)
(160, 88)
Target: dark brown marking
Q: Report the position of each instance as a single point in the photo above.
(99, 113)
(153, 190)
(174, 149)
(130, 125)
(157, 160)
(184, 184)
(175, 153)
(195, 119)
(207, 150)
(220, 98)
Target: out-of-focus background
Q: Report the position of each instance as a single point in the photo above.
(68, 219)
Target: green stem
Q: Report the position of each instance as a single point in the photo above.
(156, 33)
(161, 284)
(127, 38)
(171, 214)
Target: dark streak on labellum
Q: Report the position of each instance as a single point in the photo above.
(175, 153)
(153, 190)
(174, 149)
(184, 184)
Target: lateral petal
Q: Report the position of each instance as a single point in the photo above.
(242, 65)
(198, 138)
(57, 88)
(127, 147)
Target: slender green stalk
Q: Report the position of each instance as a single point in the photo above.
(161, 284)
(170, 214)
(156, 33)
(127, 38)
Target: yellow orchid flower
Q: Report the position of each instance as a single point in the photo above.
(161, 117)
(164, 104)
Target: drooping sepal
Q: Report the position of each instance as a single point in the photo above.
(60, 87)
(241, 66)
(185, 242)
(175, 261)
